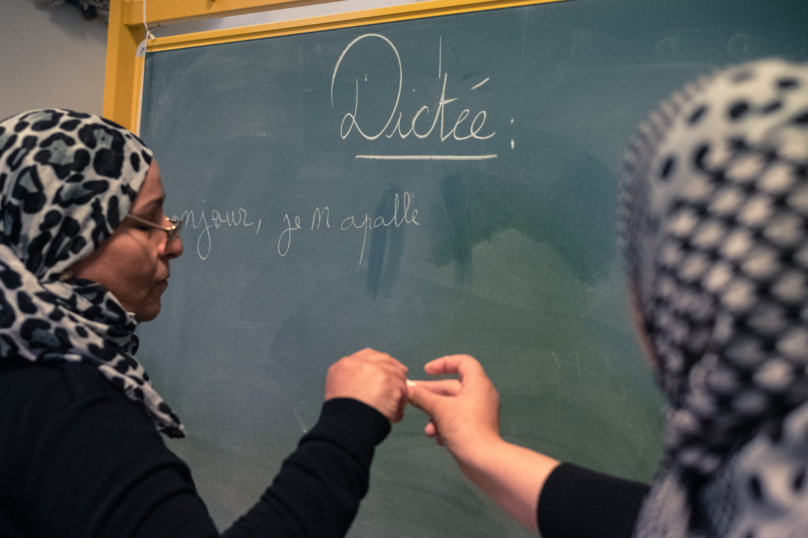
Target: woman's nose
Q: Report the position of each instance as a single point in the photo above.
(174, 250)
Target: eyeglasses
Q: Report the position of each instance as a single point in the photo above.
(171, 231)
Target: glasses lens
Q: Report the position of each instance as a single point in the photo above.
(174, 232)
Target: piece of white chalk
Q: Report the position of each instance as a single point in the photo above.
(410, 383)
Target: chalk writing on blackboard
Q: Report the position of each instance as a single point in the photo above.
(401, 214)
(287, 233)
(231, 219)
(369, 223)
(460, 131)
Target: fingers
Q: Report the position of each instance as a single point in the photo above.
(424, 399)
(381, 359)
(430, 429)
(443, 387)
(380, 381)
(464, 365)
(402, 404)
(461, 411)
(426, 395)
(372, 377)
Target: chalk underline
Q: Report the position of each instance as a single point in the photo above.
(428, 157)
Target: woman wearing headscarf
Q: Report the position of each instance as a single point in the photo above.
(715, 229)
(84, 256)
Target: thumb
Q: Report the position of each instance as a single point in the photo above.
(423, 398)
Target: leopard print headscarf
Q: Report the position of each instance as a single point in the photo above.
(66, 181)
(716, 239)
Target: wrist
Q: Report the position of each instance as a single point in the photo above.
(478, 452)
(513, 476)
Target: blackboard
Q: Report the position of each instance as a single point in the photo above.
(492, 233)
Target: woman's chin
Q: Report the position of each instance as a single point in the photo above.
(148, 314)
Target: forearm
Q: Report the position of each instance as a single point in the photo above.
(320, 485)
(513, 476)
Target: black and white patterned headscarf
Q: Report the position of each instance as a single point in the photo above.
(716, 238)
(66, 181)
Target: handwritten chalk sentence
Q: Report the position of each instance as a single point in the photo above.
(208, 222)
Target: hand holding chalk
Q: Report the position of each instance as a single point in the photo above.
(464, 412)
(464, 417)
(372, 377)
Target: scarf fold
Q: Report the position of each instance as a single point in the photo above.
(66, 181)
(715, 230)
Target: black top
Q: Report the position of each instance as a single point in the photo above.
(579, 503)
(77, 458)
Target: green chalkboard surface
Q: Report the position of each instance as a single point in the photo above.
(423, 187)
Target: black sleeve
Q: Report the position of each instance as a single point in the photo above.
(579, 503)
(318, 489)
(91, 464)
